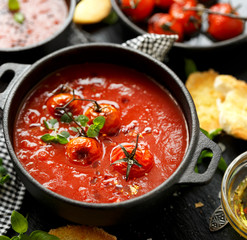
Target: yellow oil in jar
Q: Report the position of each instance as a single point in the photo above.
(240, 202)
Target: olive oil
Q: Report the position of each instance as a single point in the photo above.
(240, 202)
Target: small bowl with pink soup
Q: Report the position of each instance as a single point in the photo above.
(33, 28)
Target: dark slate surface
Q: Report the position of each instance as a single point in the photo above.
(178, 218)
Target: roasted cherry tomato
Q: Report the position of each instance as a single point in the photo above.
(137, 10)
(190, 20)
(59, 100)
(164, 3)
(222, 27)
(142, 155)
(163, 23)
(111, 114)
(83, 150)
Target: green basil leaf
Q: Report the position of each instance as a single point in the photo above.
(41, 235)
(48, 138)
(215, 133)
(46, 124)
(222, 165)
(205, 132)
(4, 179)
(65, 134)
(1, 161)
(50, 124)
(93, 131)
(99, 122)
(19, 17)
(53, 121)
(61, 139)
(13, 5)
(82, 119)
(74, 129)
(16, 238)
(19, 222)
(66, 118)
(24, 237)
(190, 67)
(3, 171)
(112, 18)
(4, 238)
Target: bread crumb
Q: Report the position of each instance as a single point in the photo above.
(199, 205)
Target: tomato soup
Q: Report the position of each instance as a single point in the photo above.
(42, 18)
(147, 118)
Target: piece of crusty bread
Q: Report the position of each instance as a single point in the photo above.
(233, 107)
(201, 88)
(76, 232)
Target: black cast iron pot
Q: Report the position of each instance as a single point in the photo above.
(31, 53)
(27, 76)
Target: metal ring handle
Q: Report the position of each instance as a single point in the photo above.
(17, 70)
(190, 176)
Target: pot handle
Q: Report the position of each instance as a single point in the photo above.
(9, 75)
(190, 176)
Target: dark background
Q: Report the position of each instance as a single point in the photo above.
(178, 218)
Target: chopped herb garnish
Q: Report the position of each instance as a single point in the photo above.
(129, 158)
(13, 5)
(20, 225)
(19, 17)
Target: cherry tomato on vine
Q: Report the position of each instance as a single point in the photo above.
(137, 10)
(223, 27)
(163, 3)
(163, 23)
(83, 150)
(112, 118)
(59, 100)
(190, 20)
(142, 155)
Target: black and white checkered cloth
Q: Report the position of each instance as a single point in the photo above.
(12, 192)
(155, 45)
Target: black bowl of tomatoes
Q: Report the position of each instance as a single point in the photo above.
(199, 24)
(101, 133)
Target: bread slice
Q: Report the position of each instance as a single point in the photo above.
(77, 232)
(204, 95)
(233, 107)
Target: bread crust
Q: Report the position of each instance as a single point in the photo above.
(233, 107)
(221, 102)
(201, 88)
(78, 232)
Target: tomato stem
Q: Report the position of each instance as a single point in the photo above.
(206, 10)
(129, 158)
(97, 106)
